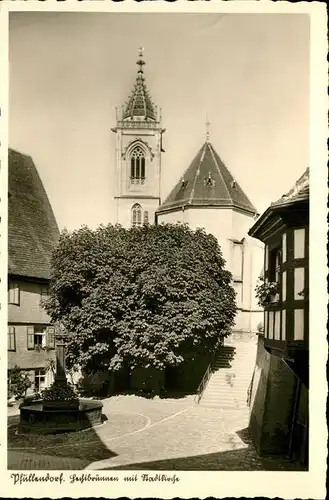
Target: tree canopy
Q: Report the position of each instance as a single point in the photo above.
(140, 297)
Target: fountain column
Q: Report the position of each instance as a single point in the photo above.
(60, 376)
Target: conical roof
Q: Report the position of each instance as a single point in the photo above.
(139, 103)
(207, 182)
(32, 229)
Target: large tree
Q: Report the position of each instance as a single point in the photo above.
(141, 297)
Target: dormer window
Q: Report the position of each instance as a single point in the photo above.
(137, 166)
(209, 181)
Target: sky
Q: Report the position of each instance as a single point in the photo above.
(248, 73)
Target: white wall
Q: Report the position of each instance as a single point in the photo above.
(227, 225)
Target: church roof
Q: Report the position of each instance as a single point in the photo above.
(32, 228)
(207, 182)
(139, 102)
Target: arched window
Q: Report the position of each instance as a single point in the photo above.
(137, 166)
(136, 215)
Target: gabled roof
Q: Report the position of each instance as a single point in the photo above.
(139, 103)
(297, 196)
(207, 182)
(299, 191)
(32, 228)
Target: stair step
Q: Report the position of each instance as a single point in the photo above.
(234, 384)
(228, 379)
(218, 405)
(224, 402)
(225, 390)
(224, 396)
(234, 365)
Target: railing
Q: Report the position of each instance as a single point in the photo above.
(206, 376)
(142, 124)
(137, 180)
(203, 383)
(250, 388)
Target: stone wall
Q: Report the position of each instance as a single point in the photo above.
(272, 403)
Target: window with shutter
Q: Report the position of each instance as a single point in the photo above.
(13, 294)
(51, 337)
(11, 338)
(30, 337)
(44, 293)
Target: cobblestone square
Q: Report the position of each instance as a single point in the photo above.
(153, 434)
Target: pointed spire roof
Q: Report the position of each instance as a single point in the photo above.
(207, 182)
(139, 103)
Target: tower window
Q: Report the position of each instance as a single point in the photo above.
(137, 166)
(136, 215)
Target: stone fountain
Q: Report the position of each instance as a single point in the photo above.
(60, 410)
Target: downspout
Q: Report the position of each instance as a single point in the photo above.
(250, 295)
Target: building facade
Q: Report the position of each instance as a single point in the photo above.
(32, 237)
(279, 391)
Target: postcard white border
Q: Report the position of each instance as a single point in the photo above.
(219, 484)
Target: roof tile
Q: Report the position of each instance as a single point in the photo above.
(32, 229)
(207, 182)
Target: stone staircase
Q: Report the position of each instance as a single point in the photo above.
(231, 373)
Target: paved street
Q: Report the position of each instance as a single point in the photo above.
(140, 433)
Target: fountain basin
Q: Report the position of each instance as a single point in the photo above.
(37, 418)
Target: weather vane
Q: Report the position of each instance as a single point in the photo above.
(140, 61)
(207, 129)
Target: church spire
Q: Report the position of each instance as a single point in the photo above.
(139, 104)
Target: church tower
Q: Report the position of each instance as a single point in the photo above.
(138, 156)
